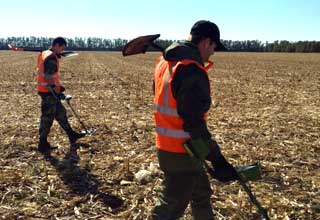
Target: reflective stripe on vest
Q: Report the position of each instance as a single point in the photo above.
(46, 80)
(166, 110)
(43, 84)
(172, 132)
(170, 135)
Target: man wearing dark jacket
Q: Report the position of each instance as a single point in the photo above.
(182, 98)
(51, 93)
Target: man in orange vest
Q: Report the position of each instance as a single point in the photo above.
(182, 98)
(51, 93)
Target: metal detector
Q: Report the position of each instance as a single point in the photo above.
(243, 182)
(251, 172)
(63, 53)
(86, 130)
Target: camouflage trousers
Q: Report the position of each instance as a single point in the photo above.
(52, 108)
(184, 183)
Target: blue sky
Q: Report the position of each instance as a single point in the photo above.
(267, 20)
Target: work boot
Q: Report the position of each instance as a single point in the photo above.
(44, 146)
(74, 136)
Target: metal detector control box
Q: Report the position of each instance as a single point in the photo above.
(250, 173)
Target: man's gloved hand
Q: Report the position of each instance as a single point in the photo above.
(53, 89)
(61, 96)
(223, 170)
(198, 148)
(62, 89)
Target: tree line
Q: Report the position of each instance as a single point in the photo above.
(101, 44)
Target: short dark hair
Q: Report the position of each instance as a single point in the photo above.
(60, 41)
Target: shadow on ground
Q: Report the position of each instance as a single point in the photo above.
(80, 180)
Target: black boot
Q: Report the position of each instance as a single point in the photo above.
(44, 146)
(74, 136)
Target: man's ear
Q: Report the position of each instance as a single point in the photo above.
(208, 42)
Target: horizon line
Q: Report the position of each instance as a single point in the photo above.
(113, 38)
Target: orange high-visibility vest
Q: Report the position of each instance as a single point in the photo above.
(44, 83)
(170, 135)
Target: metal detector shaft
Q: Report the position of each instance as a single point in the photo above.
(74, 112)
(246, 188)
(253, 199)
(77, 116)
(63, 53)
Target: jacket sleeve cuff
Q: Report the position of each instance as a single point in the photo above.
(201, 131)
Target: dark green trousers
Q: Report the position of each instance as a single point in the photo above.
(185, 181)
(51, 109)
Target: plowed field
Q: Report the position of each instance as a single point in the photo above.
(266, 108)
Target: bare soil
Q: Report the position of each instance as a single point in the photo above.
(266, 108)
